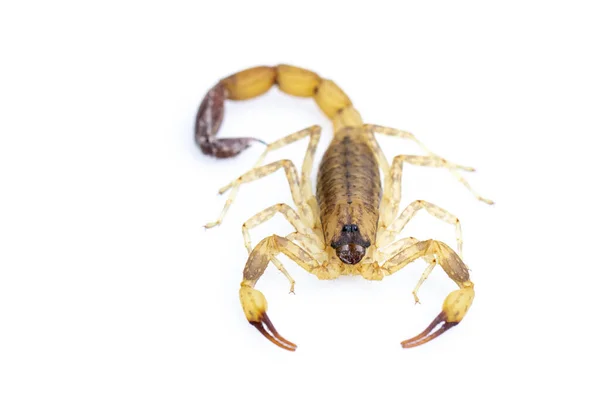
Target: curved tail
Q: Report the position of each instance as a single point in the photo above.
(255, 81)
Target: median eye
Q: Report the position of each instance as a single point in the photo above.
(350, 228)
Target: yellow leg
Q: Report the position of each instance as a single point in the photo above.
(457, 303)
(394, 189)
(383, 165)
(423, 278)
(384, 130)
(310, 244)
(314, 132)
(291, 216)
(253, 301)
(282, 269)
(261, 172)
(453, 168)
(391, 250)
(409, 212)
(260, 218)
(384, 252)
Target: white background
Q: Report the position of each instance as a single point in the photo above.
(111, 288)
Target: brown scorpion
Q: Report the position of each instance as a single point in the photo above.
(351, 225)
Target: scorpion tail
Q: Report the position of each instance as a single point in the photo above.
(256, 81)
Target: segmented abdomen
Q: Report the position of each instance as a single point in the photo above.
(348, 183)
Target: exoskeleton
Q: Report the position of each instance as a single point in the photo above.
(350, 226)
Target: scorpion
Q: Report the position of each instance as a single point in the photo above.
(350, 226)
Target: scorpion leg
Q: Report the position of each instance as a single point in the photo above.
(451, 166)
(288, 213)
(393, 191)
(384, 252)
(291, 216)
(307, 243)
(314, 132)
(409, 212)
(282, 269)
(381, 159)
(384, 130)
(457, 303)
(261, 172)
(253, 301)
(394, 248)
(432, 263)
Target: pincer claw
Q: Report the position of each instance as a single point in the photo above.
(454, 309)
(273, 336)
(255, 308)
(429, 333)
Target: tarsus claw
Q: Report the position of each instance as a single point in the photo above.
(427, 334)
(273, 336)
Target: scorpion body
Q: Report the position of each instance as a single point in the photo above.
(350, 226)
(349, 193)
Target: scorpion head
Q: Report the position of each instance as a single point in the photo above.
(349, 245)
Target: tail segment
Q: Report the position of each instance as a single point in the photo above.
(255, 81)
